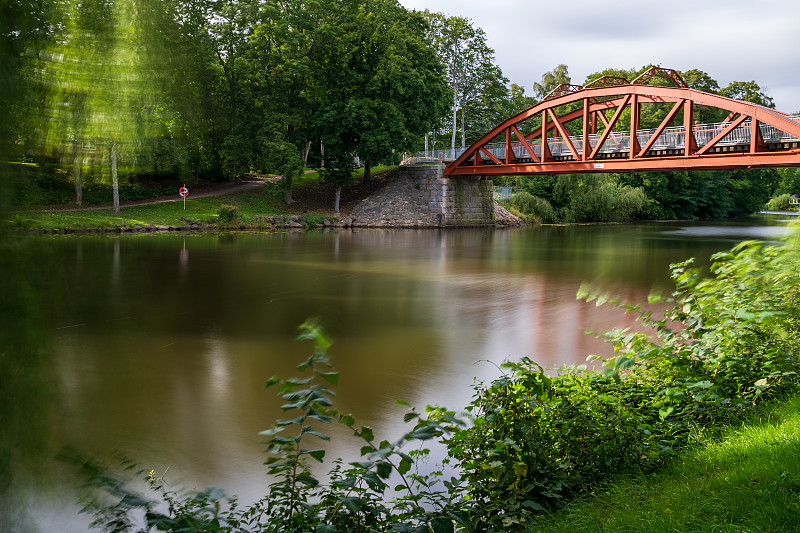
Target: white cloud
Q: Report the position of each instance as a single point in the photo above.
(729, 39)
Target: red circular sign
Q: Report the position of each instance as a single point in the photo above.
(183, 191)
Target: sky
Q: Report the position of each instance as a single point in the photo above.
(731, 40)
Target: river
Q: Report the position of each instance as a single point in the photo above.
(158, 346)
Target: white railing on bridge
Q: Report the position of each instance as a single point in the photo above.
(670, 139)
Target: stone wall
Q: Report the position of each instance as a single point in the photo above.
(420, 196)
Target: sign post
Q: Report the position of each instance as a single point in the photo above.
(183, 191)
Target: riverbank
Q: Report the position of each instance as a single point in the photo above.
(747, 480)
(386, 201)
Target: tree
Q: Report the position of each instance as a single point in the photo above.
(469, 64)
(103, 85)
(551, 80)
(701, 81)
(749, 91)
(339, 172)
(377, 84)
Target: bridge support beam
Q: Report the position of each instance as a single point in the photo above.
(456, 201)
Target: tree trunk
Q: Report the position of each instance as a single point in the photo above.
(463, 130)
(76, 173)
(288, 188)
(114, 178)
(321, 154)
(367, 171)
(336, 200)
(453, 138)
(305, 153)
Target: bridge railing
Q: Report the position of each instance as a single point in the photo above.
(673, 138)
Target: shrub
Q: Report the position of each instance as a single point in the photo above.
(353, 497)
(537, 440)
(227, 214)
(782, 202)
(533, 208)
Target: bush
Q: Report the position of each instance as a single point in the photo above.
(227, 214)
(728, 343)
(538, 441)
(352, 498)
(782, 202)
(533, 208)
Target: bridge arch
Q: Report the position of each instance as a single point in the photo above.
(580, 136)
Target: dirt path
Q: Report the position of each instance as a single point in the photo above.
(245, 184)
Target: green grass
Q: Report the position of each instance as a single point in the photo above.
(746, 481)
(312, 198)
(250, 204)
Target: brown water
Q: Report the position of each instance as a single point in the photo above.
(159, 345)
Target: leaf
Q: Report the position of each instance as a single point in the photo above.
(442, 524)
(366, 434)
(352, 504)
(274, 380)
(298, 420)
(297, 381)
(319, 455)
(404, 466)
(307, 479)
(311, 431)
(664, 412)
(410, 416)
(460, 517)
(424, 432)
(384, 470)
(271, 432)
(325, 528)
(330, 377)
(530, 504)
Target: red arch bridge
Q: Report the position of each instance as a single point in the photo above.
(583, 133)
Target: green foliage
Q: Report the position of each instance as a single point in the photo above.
(536, 440)
(728, 343)
(47, 187)
(533, 208)
(339, 171)
(354, 497)
(747, 480)
(788, 181)
(227, 214)
(782, 202)
(378, 83)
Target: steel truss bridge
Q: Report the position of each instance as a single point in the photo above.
(581, 128)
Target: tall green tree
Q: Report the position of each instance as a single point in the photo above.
(103, 86)
(283, 57)
(551, 80)
(469, 62)
(378, 84)
(749, 91)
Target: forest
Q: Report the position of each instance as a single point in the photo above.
(109, 92)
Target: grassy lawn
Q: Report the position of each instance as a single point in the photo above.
(311, 197)
(747, 481)
(202, 210)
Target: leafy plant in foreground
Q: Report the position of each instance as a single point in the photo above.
(357, 497)
(728, 342)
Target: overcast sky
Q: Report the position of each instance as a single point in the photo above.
(731, 40)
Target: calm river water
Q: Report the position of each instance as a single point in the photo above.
(158, 346)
